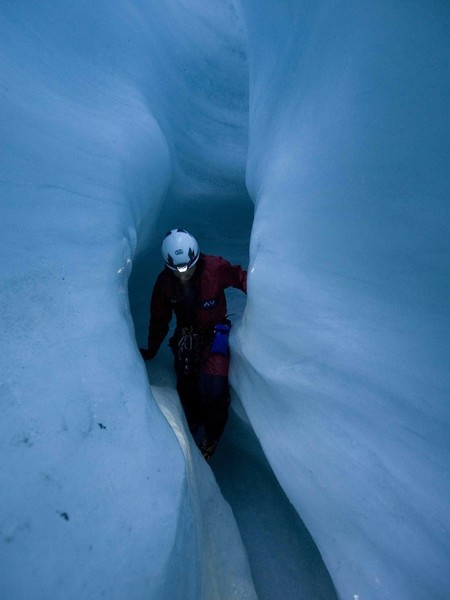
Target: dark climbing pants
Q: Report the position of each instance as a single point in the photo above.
(205, 399)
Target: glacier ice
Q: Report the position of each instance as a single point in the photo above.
(96, 499)
(114, 112)
(348, 167)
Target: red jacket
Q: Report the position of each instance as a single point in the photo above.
(205, 307)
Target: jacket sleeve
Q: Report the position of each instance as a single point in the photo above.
(233, 275)
(160, 317)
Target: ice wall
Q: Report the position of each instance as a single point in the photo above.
(344, 351)
(96, 121)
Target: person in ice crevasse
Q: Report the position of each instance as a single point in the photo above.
(192, 285)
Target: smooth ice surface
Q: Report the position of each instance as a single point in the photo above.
(96, 123)
(111, 110)
(343, 362)
(285, 562)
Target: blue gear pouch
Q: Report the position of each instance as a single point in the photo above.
(220, 341)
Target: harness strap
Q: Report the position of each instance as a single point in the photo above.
(189, 351)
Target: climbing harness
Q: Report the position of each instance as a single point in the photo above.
(189, 352)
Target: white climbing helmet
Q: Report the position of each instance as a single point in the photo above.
(179, 250)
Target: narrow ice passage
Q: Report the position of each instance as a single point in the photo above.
(333, 117)
(285, 564)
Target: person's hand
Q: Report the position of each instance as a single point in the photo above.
(146, 355)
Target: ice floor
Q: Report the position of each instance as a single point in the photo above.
(284, 559)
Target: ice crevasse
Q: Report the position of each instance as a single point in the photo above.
(335, 117)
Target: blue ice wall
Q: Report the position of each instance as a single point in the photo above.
(346, 334)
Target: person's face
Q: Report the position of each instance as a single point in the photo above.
(184, 276)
